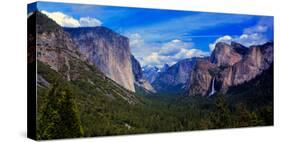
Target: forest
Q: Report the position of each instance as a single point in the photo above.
(70, 109)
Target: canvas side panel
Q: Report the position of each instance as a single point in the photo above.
(31, 75)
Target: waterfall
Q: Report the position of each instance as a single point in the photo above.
(213, 87)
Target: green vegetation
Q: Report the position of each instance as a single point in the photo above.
(98, 102)
(60, 116)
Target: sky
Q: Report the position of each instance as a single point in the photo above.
(164, 36)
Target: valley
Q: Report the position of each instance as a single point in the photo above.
(90, 84)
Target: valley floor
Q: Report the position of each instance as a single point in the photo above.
(97, 114)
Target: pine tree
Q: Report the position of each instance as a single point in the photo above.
(221, 117)
(60, 117)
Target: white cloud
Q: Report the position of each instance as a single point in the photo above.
(256, 29)
(62, 19)
(254, 35)
(171, 53)
(188, 53)
(251, 39)
(89, 22)
(68, 21)
(139, 47)
(136, 40)
(173, 47)
(225, 39)
(154, 59)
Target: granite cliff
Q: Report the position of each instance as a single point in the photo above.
(108, 51)
(139, 79)
(229, 65)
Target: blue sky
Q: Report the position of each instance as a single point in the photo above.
(164, 36)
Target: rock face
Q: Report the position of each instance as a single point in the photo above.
(108, 51)
(58, 53)
(173, 79)
(137, 70)
(54, 46)
(229, 65)
(225, 55)
(138, 76)
(239, 48)
(200, 78)
(258, 59)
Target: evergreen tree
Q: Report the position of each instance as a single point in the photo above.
(221, 117)
(60, 117)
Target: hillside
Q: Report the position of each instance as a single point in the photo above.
(61, 69)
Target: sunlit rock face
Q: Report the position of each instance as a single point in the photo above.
(258, 59)
(108, 51)
(229, 65)
(225, 55)
(54, 46)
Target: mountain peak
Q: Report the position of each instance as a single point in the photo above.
(150, 67)
(164, 68)
(241, 49)
(225, 54)
(100, 31)
(236, 44)
(150, 73)
(221, 45)
(43, 22)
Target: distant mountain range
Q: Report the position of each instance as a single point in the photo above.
(173, 79)
(150, 72)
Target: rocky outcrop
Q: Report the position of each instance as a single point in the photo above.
(230, 65)
(201, 78)
(138, 76)
(108, 51)
(239, 48)
(174, 78)
(137, 70)
(258, 59)
(225, 55)
(54, 46)
(145, 85)
(58, 55)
